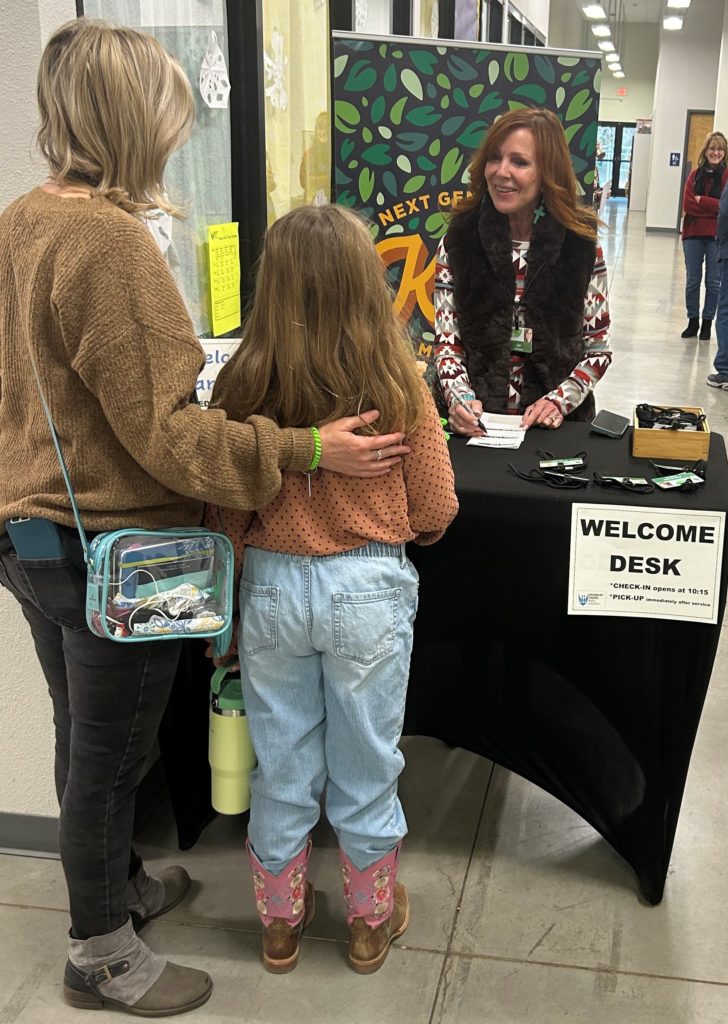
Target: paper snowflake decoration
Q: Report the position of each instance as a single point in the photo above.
(214, 78)
(275, 72)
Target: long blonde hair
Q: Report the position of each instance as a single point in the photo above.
(558, 181)
(322, 340)
(113, 105)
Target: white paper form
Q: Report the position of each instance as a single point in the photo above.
(502, 432)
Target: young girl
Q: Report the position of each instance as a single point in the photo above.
(327, 595)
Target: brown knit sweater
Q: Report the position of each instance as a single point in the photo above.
(84, 285)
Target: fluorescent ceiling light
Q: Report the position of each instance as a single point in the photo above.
(619, 74)
(611, 58)
(607, 45)
(601, 30)
(678, 5)
(672, 23)
(597, 11)
(614, 68)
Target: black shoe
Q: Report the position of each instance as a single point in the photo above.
(691, 331)
(705, 330)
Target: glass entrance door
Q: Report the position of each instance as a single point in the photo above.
(614, 155)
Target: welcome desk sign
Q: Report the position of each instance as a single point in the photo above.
(653, 563)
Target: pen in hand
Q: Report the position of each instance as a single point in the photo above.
(478, 419)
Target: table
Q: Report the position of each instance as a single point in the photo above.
(601, 712)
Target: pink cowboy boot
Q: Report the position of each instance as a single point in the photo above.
(285, 904)
(378, 910)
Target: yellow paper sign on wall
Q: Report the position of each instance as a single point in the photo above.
(224, 260)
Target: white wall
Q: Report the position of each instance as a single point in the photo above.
(687, 73)
(26, 750)
(640, 52)
(566, 27)
(721, 98)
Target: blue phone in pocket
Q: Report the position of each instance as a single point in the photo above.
(35, 538)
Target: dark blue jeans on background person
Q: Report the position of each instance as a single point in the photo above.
(108, 699)
(721, 322)
(698, 251)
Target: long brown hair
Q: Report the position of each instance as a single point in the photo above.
(713, 137)
(558, 181)
(322, 339)
(113, 106)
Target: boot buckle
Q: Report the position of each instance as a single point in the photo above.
(101, 974)
(109, 971)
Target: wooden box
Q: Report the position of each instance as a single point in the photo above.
(688, 445)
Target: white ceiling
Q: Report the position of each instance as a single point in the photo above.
(634, 10)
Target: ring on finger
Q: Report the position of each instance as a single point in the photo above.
(379, 454)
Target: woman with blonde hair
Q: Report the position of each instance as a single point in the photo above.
(521, 314)
(87, 299)
(327, 595)
(701, 199)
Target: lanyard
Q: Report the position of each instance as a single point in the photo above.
(623, 483)
(518, 313)
(550, 477)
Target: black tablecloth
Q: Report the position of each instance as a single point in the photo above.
(599, 711)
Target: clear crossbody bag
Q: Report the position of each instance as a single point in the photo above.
(154, 584)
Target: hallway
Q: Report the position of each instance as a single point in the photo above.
(521, 913)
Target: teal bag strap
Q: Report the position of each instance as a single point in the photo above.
(62, 461)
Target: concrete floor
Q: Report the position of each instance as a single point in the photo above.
(521, 914)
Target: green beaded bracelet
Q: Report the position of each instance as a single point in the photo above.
(316, 450)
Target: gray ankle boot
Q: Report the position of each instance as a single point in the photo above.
(119, 969)
(148, 897)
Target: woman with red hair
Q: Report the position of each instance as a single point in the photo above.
(521, 314)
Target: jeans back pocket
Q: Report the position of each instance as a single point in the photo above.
(56, 586)
(364, 625)
(258, 617)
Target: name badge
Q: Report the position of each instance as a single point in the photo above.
(522, 339)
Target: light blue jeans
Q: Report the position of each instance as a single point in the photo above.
(698, 251)
(325, 644)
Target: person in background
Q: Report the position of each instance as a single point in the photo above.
(521, 313)
(327, 594)
(315, 171)
(87, 298)
(701, 196)
(719, 379)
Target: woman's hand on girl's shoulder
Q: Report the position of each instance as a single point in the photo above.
(344, 451)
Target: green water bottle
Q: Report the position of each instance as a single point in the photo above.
(231, 753)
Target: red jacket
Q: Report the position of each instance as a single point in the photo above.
(701, 212)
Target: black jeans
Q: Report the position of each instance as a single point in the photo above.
(108, 699)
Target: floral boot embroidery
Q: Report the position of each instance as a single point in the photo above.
(280, 896)
(370, 893)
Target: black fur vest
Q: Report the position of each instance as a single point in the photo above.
(560, 264)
